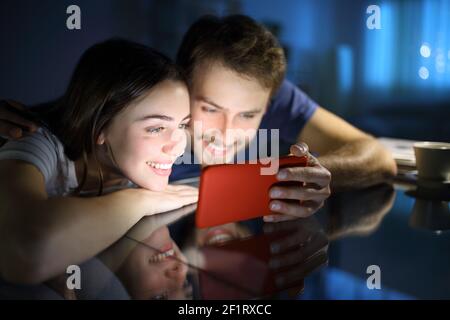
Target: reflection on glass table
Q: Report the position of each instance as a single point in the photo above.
(258, 266)
(322, 257)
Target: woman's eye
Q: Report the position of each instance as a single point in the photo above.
(162, 296)
(209, 110)
(154, 130)
(184, 126)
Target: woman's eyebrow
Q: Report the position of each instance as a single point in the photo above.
(155, 116)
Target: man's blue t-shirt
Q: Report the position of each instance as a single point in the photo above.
(289, 111)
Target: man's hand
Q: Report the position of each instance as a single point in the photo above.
(300, 248)
(12, 125)
(300, 201)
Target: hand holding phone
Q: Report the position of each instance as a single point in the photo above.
(236, 192)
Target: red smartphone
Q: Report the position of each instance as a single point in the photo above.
(236, 192)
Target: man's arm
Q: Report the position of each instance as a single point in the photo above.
(354, 158)
(12, 125)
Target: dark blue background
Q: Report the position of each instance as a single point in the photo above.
(369, 77)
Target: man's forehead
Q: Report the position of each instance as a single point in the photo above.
(208, 72)
(224, 88)
(216, 70)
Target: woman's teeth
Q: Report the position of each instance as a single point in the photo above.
(161, 256)
(156, 165)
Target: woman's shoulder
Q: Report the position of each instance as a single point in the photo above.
(41, 149)
(41, 143)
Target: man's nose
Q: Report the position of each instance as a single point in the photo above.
(226, 125)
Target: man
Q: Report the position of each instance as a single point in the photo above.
(236, 68)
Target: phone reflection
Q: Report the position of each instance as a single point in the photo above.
(230, 263)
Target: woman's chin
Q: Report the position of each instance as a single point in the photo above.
(155, 184)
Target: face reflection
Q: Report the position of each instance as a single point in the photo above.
(228, 108)
(155, 274)
(146, 138)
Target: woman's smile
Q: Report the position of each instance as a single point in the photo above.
(166, 251)
(160, 168)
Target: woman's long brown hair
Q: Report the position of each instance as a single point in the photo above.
(109, 76)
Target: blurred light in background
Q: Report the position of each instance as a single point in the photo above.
(440, 62)
(424, 73)
(435, 23)
(390, 60)
(425, 50)
(380, 49)
(345, 68)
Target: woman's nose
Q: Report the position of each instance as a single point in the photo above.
(177, 273)
(176, 144)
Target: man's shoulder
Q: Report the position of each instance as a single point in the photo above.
(289, 97)
(286, 88)
(289, 111)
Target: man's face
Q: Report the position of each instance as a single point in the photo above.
(226, 110)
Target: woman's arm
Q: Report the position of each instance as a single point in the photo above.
(41, 236)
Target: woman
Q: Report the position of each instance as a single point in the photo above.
(121, 121)
(147, 262)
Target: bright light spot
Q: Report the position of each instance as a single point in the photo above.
(425, 50)
(440, 62)
(423, 73)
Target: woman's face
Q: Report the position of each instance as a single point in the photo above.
(151, 274)
(146, 138)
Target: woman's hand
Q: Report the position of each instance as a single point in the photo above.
(173, 197)
(149, 224)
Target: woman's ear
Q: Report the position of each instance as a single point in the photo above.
(101, 138)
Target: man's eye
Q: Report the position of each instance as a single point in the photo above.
(248, 115)
(154, 130)
(209, 110)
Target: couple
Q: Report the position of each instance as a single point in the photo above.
(122, 122)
